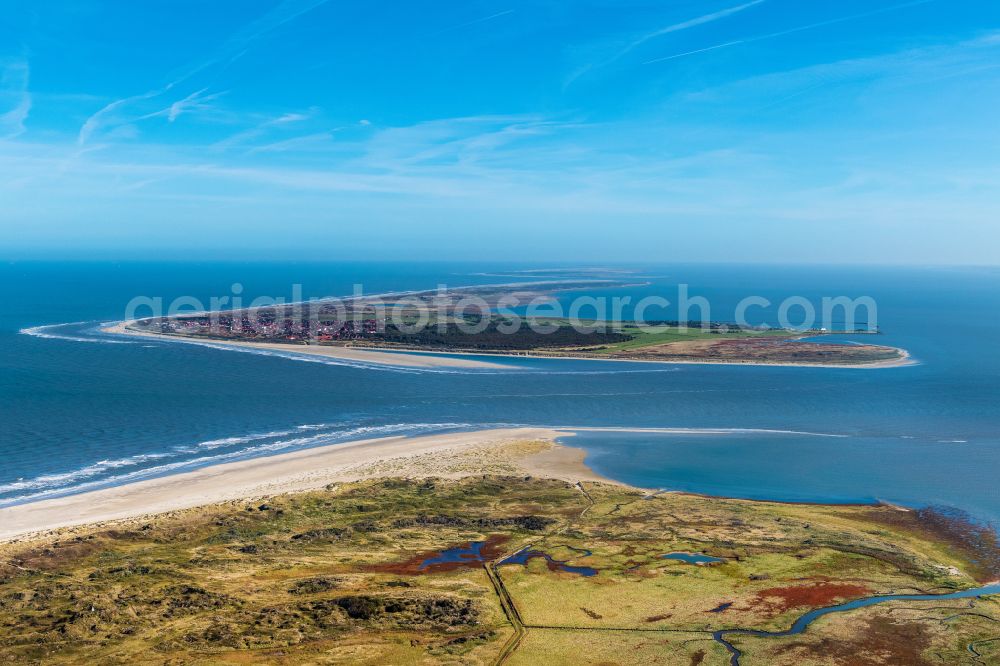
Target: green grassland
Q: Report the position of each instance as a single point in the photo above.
(571, 648)
(333, 577)
(662, 335)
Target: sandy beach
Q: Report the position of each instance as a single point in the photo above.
(905, 359)
(448, 359)
(503, 451)
(400, 359)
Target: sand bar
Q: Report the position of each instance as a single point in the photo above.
(446, 455)
(452, 359)
(460, 359)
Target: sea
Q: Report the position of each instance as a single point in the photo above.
(81, 409)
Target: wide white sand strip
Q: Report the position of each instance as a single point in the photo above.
(403, 359)
(448, 359)
(259, 477)
(360, 354)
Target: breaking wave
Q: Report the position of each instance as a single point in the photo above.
(210, 452)
(49, 332)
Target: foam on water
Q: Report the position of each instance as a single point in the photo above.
(99, 467)
(229, 441)
(48, 332)
(51, 485)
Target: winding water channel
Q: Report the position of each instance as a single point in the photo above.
(801, 624)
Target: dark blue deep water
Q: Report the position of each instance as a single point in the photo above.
(78, 409)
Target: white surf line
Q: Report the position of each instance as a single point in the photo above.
(43, 332)
(60, 484)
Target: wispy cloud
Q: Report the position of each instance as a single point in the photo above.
(262, 129)
(639, 40)
(120, 111)
(920, 66)
(238, 44)
(108, 115)
(790, 31)
(196, 101)
(904, 134)
(15, 98)
(318, 141)
(510, 171)
(684, 25)
(473, 142)
(466, 24)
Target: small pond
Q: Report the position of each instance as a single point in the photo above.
(693, 558)
(526, 555)
(468, 553)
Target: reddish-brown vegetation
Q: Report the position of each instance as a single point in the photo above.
(817, 595)
(978, 544)
(880, 643)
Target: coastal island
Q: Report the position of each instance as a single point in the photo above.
(496, 547)
(440, 322)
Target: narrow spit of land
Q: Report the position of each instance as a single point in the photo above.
(439, 321)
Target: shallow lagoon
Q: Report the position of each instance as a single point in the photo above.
(803, 468)
(464, 554)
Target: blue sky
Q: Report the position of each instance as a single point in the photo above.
(614, 130)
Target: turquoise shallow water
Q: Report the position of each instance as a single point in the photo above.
(692, 558)
(78, 410)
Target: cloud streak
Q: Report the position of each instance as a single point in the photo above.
(261, 129)
(114, 114)
(106, 116)
(194, 102)
(484, 19)
(790, 31)
(675, 27)
(14, 91)
(685, 25)
(238, 44)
